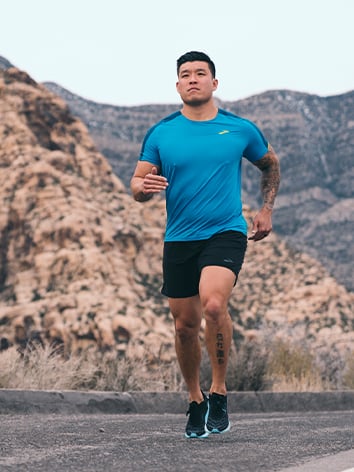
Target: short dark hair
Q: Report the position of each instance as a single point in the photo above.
(196, 56)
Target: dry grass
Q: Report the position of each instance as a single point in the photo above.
(253, 366)
(44, 368)
(348, 376)
(293, 368)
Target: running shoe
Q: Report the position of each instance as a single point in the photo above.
(198, 416)
(218, 419)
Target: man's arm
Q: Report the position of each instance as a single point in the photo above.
(270, 168)
(146, 181)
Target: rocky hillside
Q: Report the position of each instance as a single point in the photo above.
(314, 138)
(80, 261)
(70, 236)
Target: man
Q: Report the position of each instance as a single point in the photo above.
(195, 156)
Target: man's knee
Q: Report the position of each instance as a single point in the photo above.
(187, 317)
(214, 309)
(187, 324)
(186, 329)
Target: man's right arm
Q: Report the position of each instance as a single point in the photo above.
(146, 181)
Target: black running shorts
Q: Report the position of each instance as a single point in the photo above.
(184, 261)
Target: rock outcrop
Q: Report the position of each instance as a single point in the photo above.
(70, 235)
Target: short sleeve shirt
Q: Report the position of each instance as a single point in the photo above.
(201, 161)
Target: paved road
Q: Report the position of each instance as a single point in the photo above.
(145, 443)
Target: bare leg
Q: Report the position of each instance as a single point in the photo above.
(216, 284)
(187, 317)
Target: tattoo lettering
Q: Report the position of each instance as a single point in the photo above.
(220, 348)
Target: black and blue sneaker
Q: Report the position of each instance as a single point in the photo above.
(218, 419)
(198, 416)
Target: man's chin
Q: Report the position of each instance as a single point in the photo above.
(195, 102)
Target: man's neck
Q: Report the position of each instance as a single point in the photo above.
(204, 112)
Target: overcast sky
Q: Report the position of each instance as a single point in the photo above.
(124, 52)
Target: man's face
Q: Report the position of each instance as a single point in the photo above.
(195, 83)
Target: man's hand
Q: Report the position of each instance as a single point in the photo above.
(262, 224)
(146, 181)
(154, 183)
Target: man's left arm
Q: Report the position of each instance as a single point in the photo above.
(270, 168)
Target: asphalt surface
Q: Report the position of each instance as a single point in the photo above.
(77, 431)
(149, 443)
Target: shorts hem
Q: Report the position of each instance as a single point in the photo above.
(164, 293)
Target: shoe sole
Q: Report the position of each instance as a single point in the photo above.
(195, 435)
(217, 431)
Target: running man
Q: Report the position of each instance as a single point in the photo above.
(195, 156)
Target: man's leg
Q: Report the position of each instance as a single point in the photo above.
(187, 316)
(216, 284)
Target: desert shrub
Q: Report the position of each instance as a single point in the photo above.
(348, 375)
(246, 369)
(132, 373)
(292, 367)
(331, 364)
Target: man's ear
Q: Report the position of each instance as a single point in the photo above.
(215, 84)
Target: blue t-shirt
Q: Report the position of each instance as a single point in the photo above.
(201, 161)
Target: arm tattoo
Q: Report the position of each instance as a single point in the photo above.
(269, 166)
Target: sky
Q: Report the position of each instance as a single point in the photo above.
(124, 52)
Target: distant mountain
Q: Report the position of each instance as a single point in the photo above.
(314, 137)
(4, 63)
